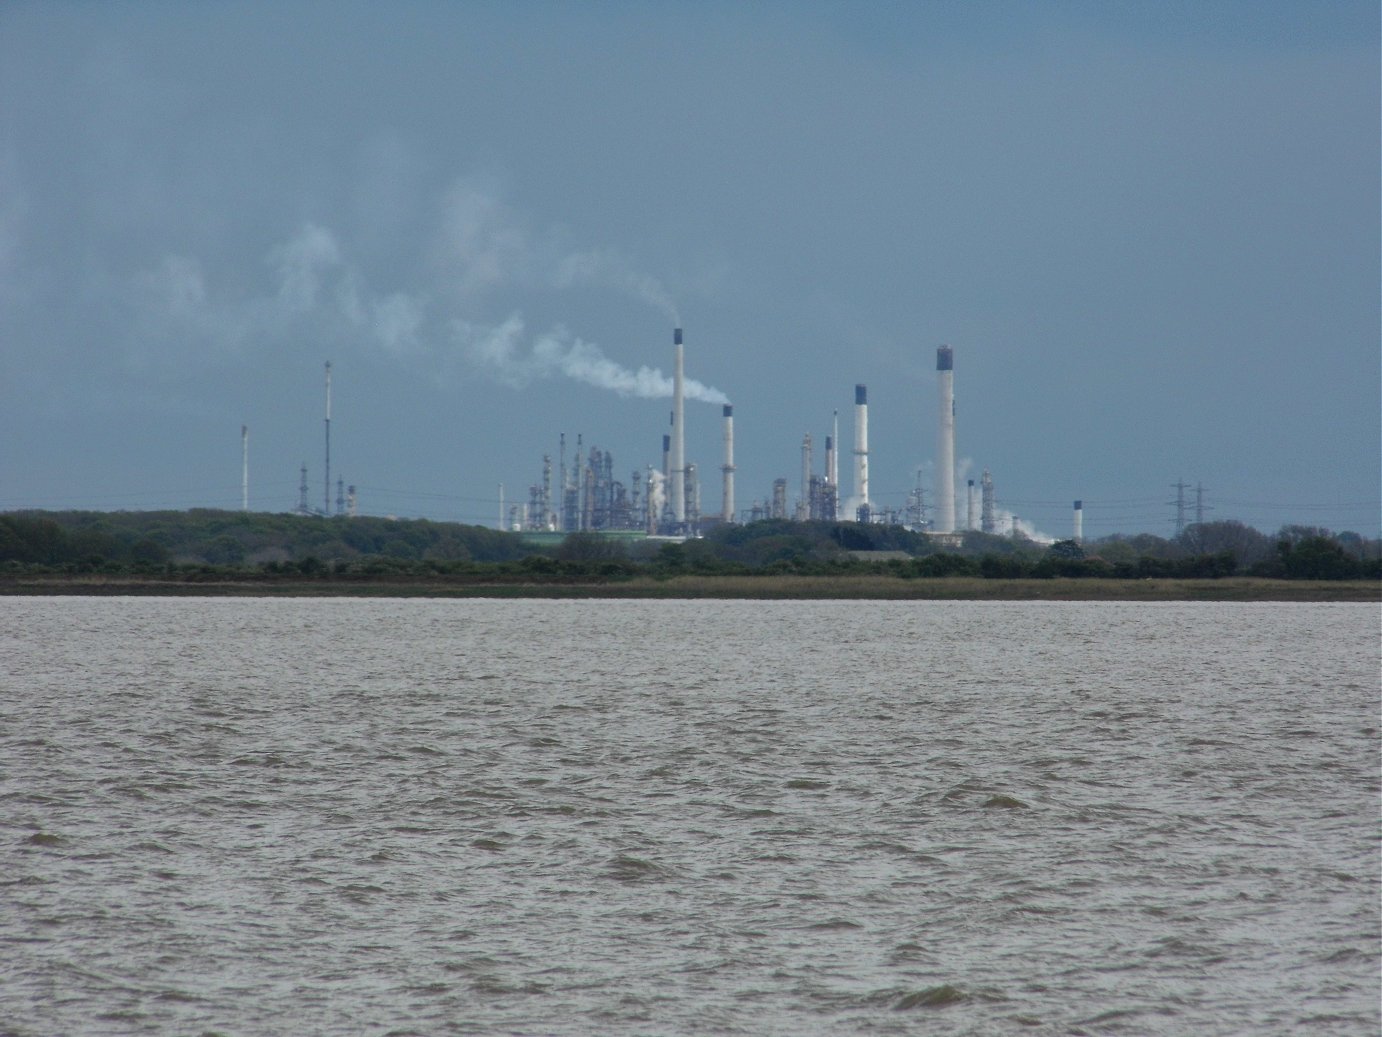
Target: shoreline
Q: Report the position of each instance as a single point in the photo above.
(775, 587)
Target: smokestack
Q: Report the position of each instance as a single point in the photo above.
(973, 507)
(244, 468)
(834, 463)
(1079, 522)
(861, 447)
(678, 472)
(804, 508)
(945, 442)
(326, 495)
(727, 508)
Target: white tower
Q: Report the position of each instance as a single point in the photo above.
(727, 508)
(861, 448)
(945, 442)
(678, 472)
(833, 474)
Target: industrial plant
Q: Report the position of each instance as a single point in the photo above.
(582, 494)
(666, 499)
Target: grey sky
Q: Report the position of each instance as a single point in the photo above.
(1149, 231)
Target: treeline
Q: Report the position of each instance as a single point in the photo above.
(258, 545)
(233, 539)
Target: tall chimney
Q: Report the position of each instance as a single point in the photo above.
(678, 472)
(861, 447)
(1079, 522)
(834, 465)
(945, 442)
(727, 508)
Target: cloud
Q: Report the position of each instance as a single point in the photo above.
(484, 245)
(481, 244)
(397, 323)
(319, 294)
(603, 267)
(176, 288)
(301, 264)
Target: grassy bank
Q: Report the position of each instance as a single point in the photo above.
(875, 587)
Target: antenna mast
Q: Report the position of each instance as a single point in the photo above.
(244, 468)
(326, 494)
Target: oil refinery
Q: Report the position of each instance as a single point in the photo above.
(666, 499)
(579, 489)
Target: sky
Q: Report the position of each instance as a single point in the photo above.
(1149, 231)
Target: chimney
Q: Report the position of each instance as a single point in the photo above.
(945, 442)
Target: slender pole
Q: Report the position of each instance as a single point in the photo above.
(326, 493)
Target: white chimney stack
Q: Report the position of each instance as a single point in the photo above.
(727, 509)
(861, 448)
(678, 472)
(945, 442)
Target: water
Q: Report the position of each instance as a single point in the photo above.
(414, 816)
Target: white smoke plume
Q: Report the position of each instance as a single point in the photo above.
(1004, 522)
(657, 492)
(506, 353)
(483, 249)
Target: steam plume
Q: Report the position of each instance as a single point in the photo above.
(502, 350)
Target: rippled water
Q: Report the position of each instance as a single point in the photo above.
(410, 816)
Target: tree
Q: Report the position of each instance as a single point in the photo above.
(1247, 545)
(1316, 558)
(590, 547)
